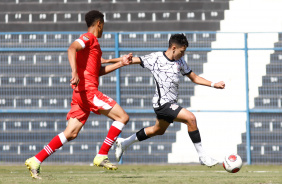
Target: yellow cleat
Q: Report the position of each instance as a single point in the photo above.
(103, 161)
(34, 167)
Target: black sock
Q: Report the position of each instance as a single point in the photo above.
(141, 135)
(195, 136)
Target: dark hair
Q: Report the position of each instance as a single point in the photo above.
(178, 39)
(93, 16)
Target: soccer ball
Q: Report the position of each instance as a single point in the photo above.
(232, 163)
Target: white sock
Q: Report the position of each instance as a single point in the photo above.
(118, 125)
(101, 155)
(200, 149)
(37, 160)
(130, 140)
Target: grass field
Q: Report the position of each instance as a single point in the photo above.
(143, 174)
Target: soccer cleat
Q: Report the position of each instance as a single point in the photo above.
(34, 167)
(208, 161)
(103, 161)
(119, 148)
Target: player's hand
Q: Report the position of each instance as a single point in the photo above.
(219, 85)
(126, 59)
(74, 79)
(130, 58)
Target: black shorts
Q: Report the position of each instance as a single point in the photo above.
(168, 112)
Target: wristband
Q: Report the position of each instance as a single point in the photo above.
(212, 84)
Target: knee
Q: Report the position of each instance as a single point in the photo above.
(191, 121)
(124, 118)
(71, 136)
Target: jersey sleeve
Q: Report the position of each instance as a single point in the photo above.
(147, 61)
(85, 40)
(185, 69)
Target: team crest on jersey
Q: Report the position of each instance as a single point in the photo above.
(174, 106)
(86, 38)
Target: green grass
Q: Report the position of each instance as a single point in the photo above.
(143, 174)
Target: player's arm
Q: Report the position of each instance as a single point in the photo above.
(73, 48)
(133, 60)
(103, 60)
(125, 60)
(115, 60)
(200, 80)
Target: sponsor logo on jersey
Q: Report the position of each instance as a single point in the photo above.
(86, 38)
(174, 106)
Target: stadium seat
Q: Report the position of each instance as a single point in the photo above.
(67, 13)
(271, 80)
(43, 17)
(68, 17)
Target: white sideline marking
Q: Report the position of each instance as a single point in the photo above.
(264, 171)
(217, 171)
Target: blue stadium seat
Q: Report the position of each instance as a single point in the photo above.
(267, 102)
(148, 148)
(141, 16)
(166, 16)
(276, 57)
(116, 16)
(68, 17)
(272, 90)
(43, 17)
(273, 68)
(271, 80)
(18, 17)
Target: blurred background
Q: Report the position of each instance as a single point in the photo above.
(235, 41)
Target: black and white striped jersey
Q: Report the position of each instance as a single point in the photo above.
(166, 73)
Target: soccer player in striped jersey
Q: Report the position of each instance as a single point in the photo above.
(166, 68)
(85, 60)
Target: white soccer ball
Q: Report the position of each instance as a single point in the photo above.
(232, 163)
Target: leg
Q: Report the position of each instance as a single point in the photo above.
(70, 133)
(158, 129)
(73, 128)
(165, 115)
(116, 113)
(120, 119)
(145, 133)
(189, 119)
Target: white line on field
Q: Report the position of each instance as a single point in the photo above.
(220, 171)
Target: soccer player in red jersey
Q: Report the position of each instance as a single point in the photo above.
(85, 60)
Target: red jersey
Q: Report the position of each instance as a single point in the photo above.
(88, 62)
